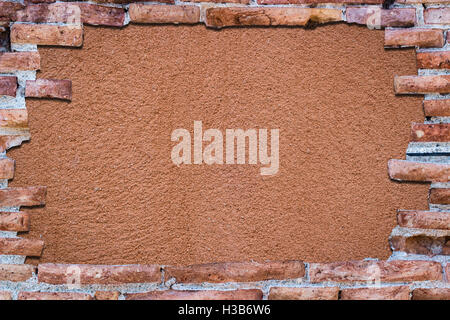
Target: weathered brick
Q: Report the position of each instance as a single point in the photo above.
(150, 13)
(12, 61)
(4, 295)
(220, 1)
(376, 17)
(16, 272)
(6, 168)
(273, 16)
(436, 108)
(422, 1)
(420, 244)
(8, 86)
(13, 118)
(437, 15)
(131, 1)
(320, 1)
(424, 219)
(431, 294)
(53, 296)
(433, 60)
(8, 10)
(236, 271)
(386, 271)
(307, 293)
(102, 1)
(27, 2)
(97, 274)
(242, 294)
(49, 88)
(27, 196)
(426, 38)
(45, 34)
(384, 293)
(422, 132)
(447, 272)
(72, 13)
(422, 84)
(439, 196)
(404, 170)
(106, 295)
(13, 140)
(14, 221)
(21, 247)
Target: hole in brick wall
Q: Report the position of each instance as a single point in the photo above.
(4, 39)
(115, 197)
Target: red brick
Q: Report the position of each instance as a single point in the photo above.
(244, 294)
(384, 293)
(420, 244)
(12, 61)
(107, 295)
(424, 219)
(386, 271)
(49, 88)
(16, 272)
(437, 15)
(431, 294)
(53, 296)
(27, 2)
(13, 118)
(27, 196)
(425, 38)
(22, 247)
(14, 221)
(433, 60)
(421, 132)
(376, 17)
(403, 170)
(220, 1)
(8, 86)
(101, 1)
(6, 168)
(97, 274)
(421, 1)
(273, 16)
(45, 34)
(150, 13)
(4, 295)
(77, 13)
(307, 293)
(8, 10)
(9, 141)
(236, 271)
(320, 1)
(422, 84)
(132, 1)
(447, 272)
(439, 196)
(436, 108)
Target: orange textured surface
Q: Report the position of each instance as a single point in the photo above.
(114, 196)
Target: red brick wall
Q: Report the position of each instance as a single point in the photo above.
(418, 268)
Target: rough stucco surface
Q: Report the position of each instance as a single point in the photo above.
(115, 197)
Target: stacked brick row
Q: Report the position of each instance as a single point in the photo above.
(367, 279)
(419, 266)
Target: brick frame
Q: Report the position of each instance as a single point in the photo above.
(419, 267)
